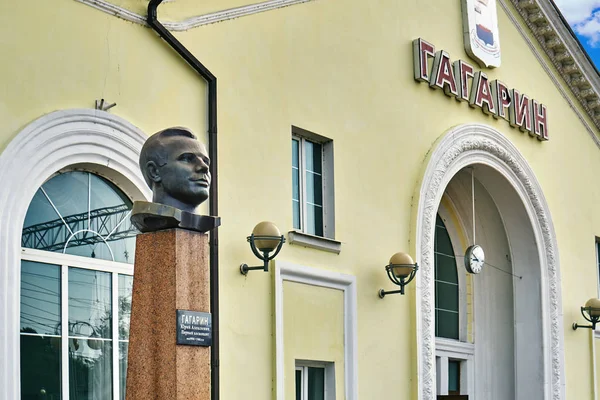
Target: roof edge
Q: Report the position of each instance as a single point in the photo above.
(558, 41)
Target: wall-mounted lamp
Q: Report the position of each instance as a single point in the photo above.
(592, 309)
(265, 239)
(401, 270)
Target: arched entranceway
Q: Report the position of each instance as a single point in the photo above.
(504, 176)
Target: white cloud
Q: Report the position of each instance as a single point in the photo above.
(590, 29)
(581, 16)
(577, 11)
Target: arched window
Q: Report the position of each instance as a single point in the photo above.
(76, 281)
(446, 284)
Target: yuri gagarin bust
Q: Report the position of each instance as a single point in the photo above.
(175, 166)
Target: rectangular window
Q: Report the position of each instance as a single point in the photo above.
(454, 369)
(315, 380)
(74, 330)
(453, 377)
(312, 183)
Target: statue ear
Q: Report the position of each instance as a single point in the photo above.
(153, 172)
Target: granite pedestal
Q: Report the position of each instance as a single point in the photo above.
(171, 273)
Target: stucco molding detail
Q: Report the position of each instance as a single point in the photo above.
(47, 145)
(193, 22)
(556, 40)
(463, 146)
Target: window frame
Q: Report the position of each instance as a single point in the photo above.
(327, 183)
(64, 262)
(329, 377)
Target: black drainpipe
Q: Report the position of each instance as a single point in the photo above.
(214, 187)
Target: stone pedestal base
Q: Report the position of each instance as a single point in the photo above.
(171, 272)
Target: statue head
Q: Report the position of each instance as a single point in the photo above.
(175, 166)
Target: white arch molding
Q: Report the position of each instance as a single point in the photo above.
(47, 145)
(480, 144)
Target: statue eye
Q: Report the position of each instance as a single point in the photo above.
(186, 157)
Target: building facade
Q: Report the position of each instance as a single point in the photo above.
(361, 129)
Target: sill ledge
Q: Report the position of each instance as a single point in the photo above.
(315, 242)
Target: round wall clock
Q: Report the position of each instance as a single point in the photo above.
(474, 259)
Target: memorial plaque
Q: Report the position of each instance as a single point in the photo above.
(194, 328)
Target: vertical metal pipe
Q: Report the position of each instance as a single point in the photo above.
(152, 20)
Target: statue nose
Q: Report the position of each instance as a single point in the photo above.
(201, 165)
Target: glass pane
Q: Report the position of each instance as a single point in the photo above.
(442, 242)
(40, 298)
(40, 368)
(69, 192)
(296, 211)
(298, 384)
(313, 156)
(447, 324)
(90, 303)
(90, 369)
(88, 244)
(123, 349)
(314, 220)
(316, 383)
(88, 204)
(104, 194)
(446, 296)
(125, 291)
(109, 211)
(295, 153)
(438, 221)
(446, 269)
(454, 376)
(295, 184)
(40, 211)
(314, 189)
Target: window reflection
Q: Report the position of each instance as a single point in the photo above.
(90, 369)
(82, 214)
(40, 298)
(40, 367)
(123, 351)
(125, 292)
(90, 303)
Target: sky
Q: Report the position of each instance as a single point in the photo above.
(584, 18)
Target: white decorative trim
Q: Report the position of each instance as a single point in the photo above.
(454, 347)
(312, 276)
(555, 38)
(480, 144)
(315, 242)
(45, 146)
(193, 22)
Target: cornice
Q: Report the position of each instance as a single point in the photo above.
(196, 21)
(555, 38)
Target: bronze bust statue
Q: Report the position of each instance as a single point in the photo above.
(175, 166)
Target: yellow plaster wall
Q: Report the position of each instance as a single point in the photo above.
(313, 329)
(340, 69)
(64, 54)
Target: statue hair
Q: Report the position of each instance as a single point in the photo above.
(155, 148)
